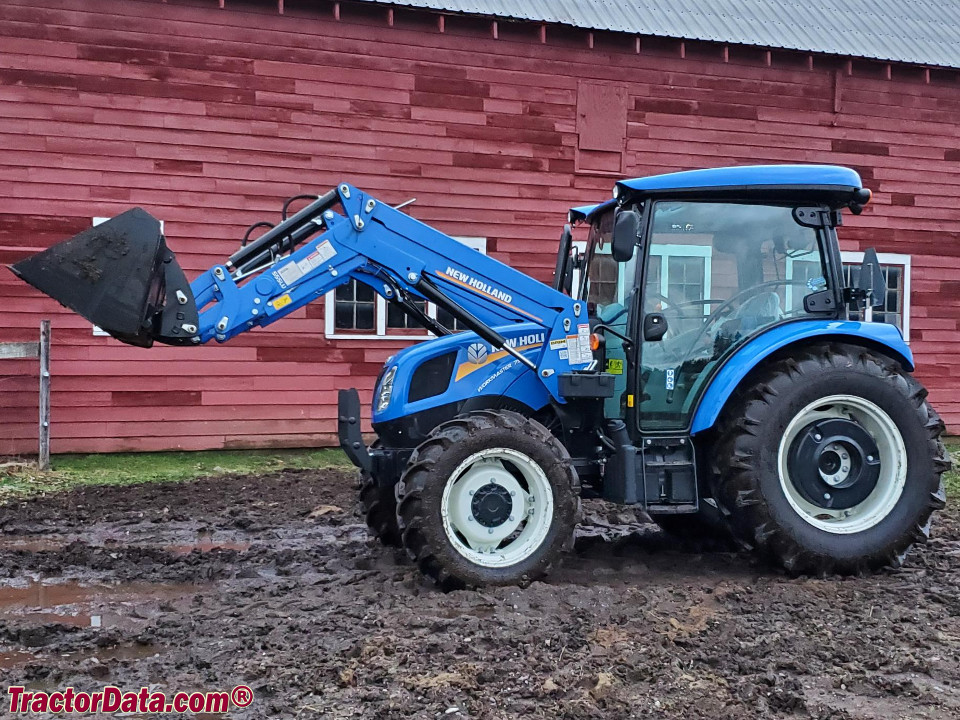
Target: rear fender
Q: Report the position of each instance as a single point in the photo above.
(879, 336)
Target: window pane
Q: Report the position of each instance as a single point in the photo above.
(343, 316)
(364, 315)
(892, 309)
(448, 320)
(364, 292)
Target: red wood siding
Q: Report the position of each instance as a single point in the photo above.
(209, 118)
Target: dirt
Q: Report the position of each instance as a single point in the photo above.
(272, 582)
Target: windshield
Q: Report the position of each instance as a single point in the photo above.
(607, 283)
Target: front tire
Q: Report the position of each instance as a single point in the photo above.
(489, 498)
(831, 461)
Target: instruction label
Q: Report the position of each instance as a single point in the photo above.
(615, 366)
(293, 271)
(578, 346)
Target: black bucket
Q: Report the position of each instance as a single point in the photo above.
(121, 276)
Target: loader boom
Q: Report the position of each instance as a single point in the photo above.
(318, 249)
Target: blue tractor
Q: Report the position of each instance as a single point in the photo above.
(697, 359)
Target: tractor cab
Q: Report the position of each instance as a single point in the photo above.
(680, 271)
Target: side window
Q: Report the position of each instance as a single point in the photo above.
(719, 273)
(355, 311)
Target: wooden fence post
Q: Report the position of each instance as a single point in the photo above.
(44, 459)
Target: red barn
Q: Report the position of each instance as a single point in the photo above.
(209, 114)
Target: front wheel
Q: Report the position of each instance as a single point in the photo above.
(490, 498)
(831, 461)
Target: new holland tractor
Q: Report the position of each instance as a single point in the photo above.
(697, 360)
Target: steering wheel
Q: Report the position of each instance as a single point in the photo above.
(676, 310)
(725, 307)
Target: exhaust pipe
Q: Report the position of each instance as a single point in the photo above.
(122, 277)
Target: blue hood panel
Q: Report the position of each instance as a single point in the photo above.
(479, 369)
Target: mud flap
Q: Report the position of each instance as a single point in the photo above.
(122, 277)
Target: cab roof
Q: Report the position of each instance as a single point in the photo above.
(584, 212)
(823, 183)
(828, 183)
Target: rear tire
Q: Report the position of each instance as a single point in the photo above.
(489, 498)
(831, 461)
(379, 506)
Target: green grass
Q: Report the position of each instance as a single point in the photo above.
(952, 478)
(69, 471)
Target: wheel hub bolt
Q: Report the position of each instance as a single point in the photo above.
(869, 458)
(826, 496)
(490, 531)
(510, 518)
(818, 437)
(470, 519)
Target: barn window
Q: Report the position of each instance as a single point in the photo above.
(896, 272)
(354, 311)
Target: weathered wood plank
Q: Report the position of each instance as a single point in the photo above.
(15, 350)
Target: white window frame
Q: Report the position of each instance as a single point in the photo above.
(903, 260)
(382, 332)
(668, 250)
(97, 330)
(788, 270)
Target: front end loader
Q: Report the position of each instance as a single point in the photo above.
(702, 357)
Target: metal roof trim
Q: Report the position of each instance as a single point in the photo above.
(917, 32)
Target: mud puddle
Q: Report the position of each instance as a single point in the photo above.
(272, 582)
(96, 606)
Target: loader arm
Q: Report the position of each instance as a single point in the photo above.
(318, 249)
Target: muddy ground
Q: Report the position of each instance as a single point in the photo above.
(272, 582)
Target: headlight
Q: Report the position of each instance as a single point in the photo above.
(616, 191)
(386, 389)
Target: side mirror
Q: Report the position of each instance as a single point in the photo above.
(626, 232)
(654, 327)
(870, 281)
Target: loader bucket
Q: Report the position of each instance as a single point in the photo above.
(122, 277)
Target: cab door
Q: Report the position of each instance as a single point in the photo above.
(719, 274)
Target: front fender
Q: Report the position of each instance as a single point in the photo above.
(886, 337)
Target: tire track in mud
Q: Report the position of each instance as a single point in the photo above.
(273, 582)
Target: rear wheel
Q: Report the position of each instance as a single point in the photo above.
(490, 498)
(831, 461)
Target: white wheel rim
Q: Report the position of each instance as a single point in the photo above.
(893, 465)
(522, 532)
